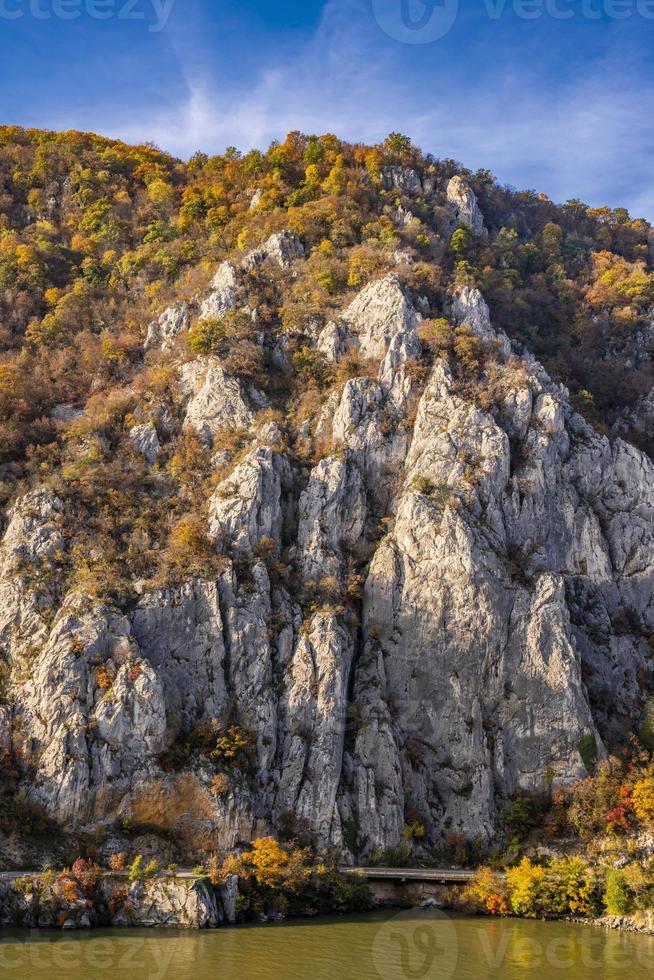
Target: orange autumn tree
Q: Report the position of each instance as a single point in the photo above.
(273, 866)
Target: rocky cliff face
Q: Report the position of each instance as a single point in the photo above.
(453, 601)
(639, 417)
(161, 901)
(464, 207)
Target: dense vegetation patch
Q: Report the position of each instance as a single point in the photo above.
(97, 236)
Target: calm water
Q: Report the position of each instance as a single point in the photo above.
(409, 946)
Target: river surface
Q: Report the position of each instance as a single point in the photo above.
(417, 945)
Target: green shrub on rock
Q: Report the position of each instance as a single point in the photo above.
(616, 893)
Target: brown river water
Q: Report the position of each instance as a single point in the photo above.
(417, 945)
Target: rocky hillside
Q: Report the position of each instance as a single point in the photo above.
(320, 548)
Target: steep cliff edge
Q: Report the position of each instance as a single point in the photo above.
(434, 587)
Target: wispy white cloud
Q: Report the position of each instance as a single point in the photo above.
(573, 141)
(581, 138)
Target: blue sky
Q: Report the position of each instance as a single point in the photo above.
(563, 104)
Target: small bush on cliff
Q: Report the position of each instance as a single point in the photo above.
(215, 870)
(68, 888)
(415, 830)
(639, 879)
(189, 551)
(566, 886)
(570, 888)
(593, 799)
(18, 813)
(486, 893)
(104, 678)
(234, 746)
(437, 335)
(205, 336)
(461, 850)
(469, 350)
(227, 747)
(117, 861)
(391, 857)
(460, 240)
(616, 893)
(273, 866)
(220, 784)
(136, 870)
(233, 338)
(423, 486)
(86, 873)
(643, 799)
(212, 336)
(525, 886)
(350, 893)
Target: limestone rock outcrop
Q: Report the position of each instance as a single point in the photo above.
(247, 505)
(464, 206)
(214, 399)
(88, 733)
(146, 441)
(380, 313)
(225, 290)
(223, 294)
(163, 332)
(154, 902)
(448, 599)
(283, 247)
(404, 179)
